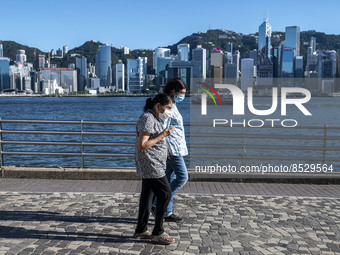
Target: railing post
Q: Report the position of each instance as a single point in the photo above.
(1, 155)
(82, 144)
(324, 143)
(243, 147)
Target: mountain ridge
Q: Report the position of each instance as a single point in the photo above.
(213, 38)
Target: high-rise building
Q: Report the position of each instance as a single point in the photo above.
(228, 58)
(183, 52)
(232, 68)
(216, 63)
(264, 41)
(253, 54)
(65, 49)
(276, 61)
(247, 73)
(103, 64)
(59, 53)
(81, 64)
(229, 47)
(199, 61)
(298, 67)
(1, 50)
(159, 53)
(327, 64)
(287, 63)
(66, 78)
(119, 76)
(293, 39)
(298, 72)
(338, 64)
(313, 44)
(41, 61)
(182, 70)
(21, 57)
(4, 73)
(20, 73)
(311, 70)
(312, 58)
(136, 74)
(34, 82)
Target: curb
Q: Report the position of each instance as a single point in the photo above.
(130, 174)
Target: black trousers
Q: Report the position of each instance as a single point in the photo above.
(161, 189)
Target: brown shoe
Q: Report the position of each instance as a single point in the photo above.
(144, 235)
(163, 239)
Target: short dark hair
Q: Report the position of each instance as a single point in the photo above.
(173, 86)
(161, 98)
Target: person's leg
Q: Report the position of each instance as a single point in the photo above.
(162, 190)
(145, 203)
(177, 178)
(168, 172)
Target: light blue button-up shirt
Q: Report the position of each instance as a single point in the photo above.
(176, 141)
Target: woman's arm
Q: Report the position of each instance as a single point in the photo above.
(143, 139)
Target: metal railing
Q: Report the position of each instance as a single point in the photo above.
(82, 144)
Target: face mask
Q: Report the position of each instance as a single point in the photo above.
(179, 98)
(166, 114)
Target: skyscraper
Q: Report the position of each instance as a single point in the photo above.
(4, 73)
(65, 49)
(231, 68)
(293, 39)
(247, 73)
(159, 53)
(216, 62)
(287, 63)
(229, 47)
(199, 61)
(298, 67)
(183, 52)
(103, 64)
(327, 64)
(119, 76)
(81, 63)
(312, 58)
(1, 50)
(264, 42)
(136, 74)
(313, 44)
(21, 57)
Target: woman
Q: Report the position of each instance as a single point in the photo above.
(176, 170)
(150, 156)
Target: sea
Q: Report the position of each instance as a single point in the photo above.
(325, 111)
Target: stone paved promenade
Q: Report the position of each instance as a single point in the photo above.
(99, 217)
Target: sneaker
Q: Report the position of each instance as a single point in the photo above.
(144, 235)
(163, 239)
(172, 218)
(153, 211)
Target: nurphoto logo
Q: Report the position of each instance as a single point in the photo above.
(238, 98)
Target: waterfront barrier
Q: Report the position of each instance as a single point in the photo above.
(330, 143)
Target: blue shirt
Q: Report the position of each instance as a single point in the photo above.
(176, 141)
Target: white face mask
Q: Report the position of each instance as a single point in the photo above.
(166, 114)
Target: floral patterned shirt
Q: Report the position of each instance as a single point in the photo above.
(151, 163)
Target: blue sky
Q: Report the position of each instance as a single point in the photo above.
(50, 24)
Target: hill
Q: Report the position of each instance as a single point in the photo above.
(10, 50)
(215, 38)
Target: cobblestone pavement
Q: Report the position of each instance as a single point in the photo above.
(95, 223)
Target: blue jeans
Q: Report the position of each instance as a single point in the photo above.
(177, 175)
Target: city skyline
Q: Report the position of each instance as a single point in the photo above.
(132, 24)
